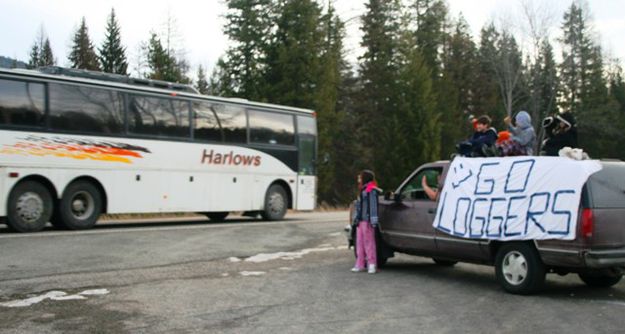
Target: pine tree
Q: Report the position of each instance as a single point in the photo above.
(159, 63)
(249, 24)
(294, 54)
(377, 100)
(457, 86)
(83, 54)
(201, 85)
(431, 20)
(335, 174)
(41, 51)
(112, 54)
(584, 86)
(47, 57)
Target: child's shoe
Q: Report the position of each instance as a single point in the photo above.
(357, 270)
(372, 269)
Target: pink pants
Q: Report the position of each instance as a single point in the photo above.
(365, 245)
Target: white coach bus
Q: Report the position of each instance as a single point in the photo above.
(75, 144)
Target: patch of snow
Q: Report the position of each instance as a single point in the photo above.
(54, 295)
(252, 273)
(95, 292)
(264, 257)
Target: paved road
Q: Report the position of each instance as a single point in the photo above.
(249, 276)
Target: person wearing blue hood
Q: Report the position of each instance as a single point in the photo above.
(523, 136)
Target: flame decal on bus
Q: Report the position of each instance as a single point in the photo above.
(75, 149)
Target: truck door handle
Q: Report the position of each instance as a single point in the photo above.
(431, 210)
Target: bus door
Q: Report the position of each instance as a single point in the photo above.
(307, 150)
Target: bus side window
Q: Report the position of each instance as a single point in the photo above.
(159, 117)
(205, 123)
(21, 103)
(271, 128)
(85, 109)
(233, 121)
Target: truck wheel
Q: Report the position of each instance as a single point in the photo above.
(217, 216)
(29, 207)
(80, 206)
(444, 263)
(275, 203)
(519, 269)
(600, 281)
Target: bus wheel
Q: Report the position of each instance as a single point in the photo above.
(217, 216)
(29, 207)
(275, 203)
(80, 206)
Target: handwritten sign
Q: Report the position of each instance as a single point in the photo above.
(513, 198)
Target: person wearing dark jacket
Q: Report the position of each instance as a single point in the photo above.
(366, 221)
(485, 136)
(561, 131)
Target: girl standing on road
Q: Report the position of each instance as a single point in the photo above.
(366, 219)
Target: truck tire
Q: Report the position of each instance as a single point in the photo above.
(217, 216)
(276, 203)
(80, 207)
(29, 207)
(519, 269)
(444, 263)
(600, 280)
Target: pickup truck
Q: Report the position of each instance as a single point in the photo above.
(597, 254)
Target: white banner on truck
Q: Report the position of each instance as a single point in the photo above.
(513, 198)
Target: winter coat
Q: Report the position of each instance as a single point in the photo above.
(367, 205)
(479, 139)
(523, 133)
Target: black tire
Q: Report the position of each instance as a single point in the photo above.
(599, 280)
(80, 206)
(444, 263)
(29, 207)
(276, 203)
(519, 269)
(217, 216)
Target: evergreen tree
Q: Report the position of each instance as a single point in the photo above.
(46, 56)
(543, 88)
(293, 58)
(159, 63)
(112, 54)
(584, 86)
(377, 100)
(201, 85)
(430, 17)
(335, 173)
(249, 28)
(41, 51)
(486, 97)
(457, 86)
(83, 54)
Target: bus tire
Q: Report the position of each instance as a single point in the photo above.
(217, 216)
(276, 203)
(81, 206)
(30, 207)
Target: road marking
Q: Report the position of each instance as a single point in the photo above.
(158, 229)
(252, 273)
(53, 295)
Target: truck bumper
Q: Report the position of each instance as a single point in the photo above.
(605, 258)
